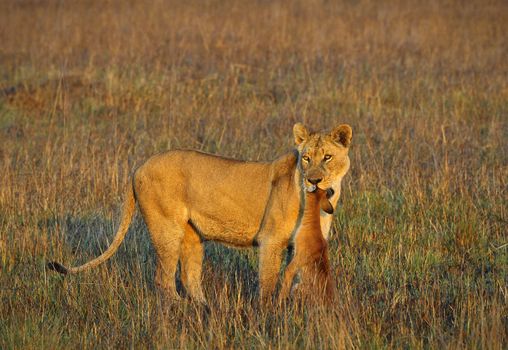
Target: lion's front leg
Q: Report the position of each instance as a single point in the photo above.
(270, 257)
(287, 282)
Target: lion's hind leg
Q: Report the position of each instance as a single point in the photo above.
(191, 260)
(167, 236)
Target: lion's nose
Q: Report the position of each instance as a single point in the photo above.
(315, 181)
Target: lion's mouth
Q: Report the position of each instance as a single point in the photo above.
(310, 187)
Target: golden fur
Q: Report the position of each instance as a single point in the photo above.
(187, 197)
(311, 252)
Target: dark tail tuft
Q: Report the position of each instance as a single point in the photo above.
(57, 267)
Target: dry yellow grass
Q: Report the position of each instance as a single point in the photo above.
(89, 89)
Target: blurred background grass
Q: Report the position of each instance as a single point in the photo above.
(90, 89)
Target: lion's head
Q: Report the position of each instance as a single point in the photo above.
(323, 158)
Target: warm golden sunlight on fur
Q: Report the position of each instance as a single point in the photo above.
(92, 90)
(187, 197)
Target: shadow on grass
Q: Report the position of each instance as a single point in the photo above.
(87, 237)
(234, 268)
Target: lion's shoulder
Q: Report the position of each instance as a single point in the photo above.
(285, 165)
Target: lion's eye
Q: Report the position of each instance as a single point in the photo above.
(305, 158)
(327, 157)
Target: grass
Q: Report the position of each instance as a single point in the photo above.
(91, 89)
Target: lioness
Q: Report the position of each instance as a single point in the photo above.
(311, 251)
(187, 197)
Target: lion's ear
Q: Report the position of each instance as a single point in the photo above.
(342, 134)
(326, 206)
(300, 133)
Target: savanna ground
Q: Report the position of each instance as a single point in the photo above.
(90, 89)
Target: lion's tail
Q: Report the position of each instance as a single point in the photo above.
(128, 211)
